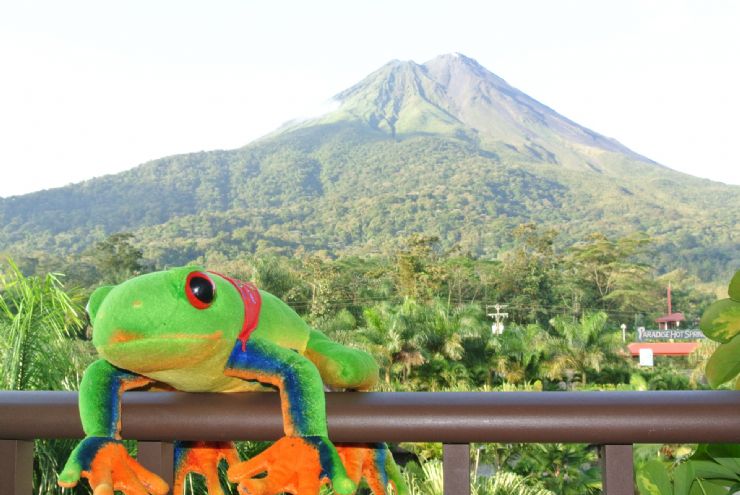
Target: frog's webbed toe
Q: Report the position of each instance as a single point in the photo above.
(202, 458)
(108, 467)
(292, 465)
(373, 463)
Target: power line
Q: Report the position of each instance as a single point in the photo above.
(498, 324)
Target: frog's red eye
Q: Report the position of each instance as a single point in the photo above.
(200, 290)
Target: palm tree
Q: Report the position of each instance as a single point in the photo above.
(519, 351)
(479, 351)
(444, 334)
(508, 483)
(698, 359)
(390, 339)
(427, 479)
(413, 334)
(442, 330)
(567, 469)
(580, 346)
(38, 321)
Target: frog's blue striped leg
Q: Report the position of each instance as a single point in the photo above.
(304, 420)
(101, 457)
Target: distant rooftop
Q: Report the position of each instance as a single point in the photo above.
(663, 348)
(670, 318)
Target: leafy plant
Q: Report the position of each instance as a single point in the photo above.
(38, 323)
(427, 479)
(581, 346)
(721, 322)
(507, 483)
(712, 470)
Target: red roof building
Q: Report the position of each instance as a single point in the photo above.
(663, 348)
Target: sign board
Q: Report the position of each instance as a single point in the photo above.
(669, 334)
(646, 357)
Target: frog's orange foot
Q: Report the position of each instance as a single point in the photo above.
(374, 464)
(292, 465)
(108, 467)
(202, 458)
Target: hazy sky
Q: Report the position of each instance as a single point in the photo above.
(90, 88)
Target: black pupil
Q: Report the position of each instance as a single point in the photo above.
(202, 289)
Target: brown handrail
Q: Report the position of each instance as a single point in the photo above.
(613, 420)
(451, 417)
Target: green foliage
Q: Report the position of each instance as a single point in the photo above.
(427, 479)
(714, 468)
(734, 288)
(116, 258)
(721, 322)
(417, 275)
(662, 377)
(38, 321)
(507, 483)
(613, 279)
(528, 276)
(40, 350)
(724, 365)
(653, 479)
(347, 189)
(581, 346)
(567, 469)
(518, 353)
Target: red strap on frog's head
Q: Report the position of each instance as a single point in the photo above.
(252, 304)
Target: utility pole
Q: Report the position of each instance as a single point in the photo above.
(498, 318)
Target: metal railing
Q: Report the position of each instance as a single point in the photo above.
(613, 420)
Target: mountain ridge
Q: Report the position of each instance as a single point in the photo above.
(459, 96)
(351, 181)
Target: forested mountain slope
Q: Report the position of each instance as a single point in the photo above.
(445, 148)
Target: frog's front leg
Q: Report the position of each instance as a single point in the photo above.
(202, 458)
(101, 457)
(306, 456)
(341, 367)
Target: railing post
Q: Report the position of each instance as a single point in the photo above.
(159, 458)
(617, 470)
(456, 468)
(16, 467)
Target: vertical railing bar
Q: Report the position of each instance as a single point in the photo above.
(16, 467)
(617, 470)
(159, 458)
(456, 469)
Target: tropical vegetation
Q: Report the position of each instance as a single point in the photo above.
(711, 469)
(422, 312)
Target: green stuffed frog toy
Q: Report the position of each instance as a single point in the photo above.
(197, 331)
